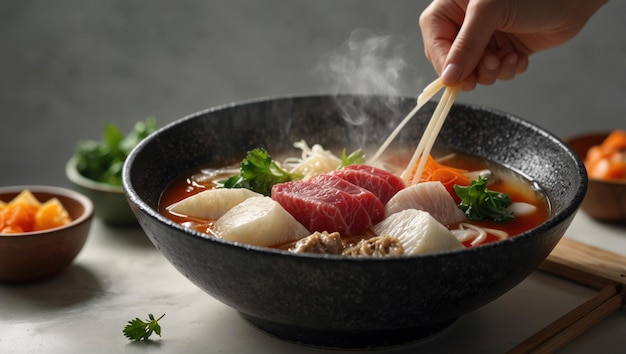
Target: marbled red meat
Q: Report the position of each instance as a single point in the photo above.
(329, 203)
(382, 183)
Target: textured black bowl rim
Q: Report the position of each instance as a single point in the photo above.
(553, 220)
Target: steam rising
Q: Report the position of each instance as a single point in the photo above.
(367, 64)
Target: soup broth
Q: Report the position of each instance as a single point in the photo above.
(516, 186)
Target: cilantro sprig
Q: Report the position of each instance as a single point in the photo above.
(102, 161)
(259, 172)
(139, 330)
(479, 203)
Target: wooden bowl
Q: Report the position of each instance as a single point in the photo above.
(605, 199)
(33, 256)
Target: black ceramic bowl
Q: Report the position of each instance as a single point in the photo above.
(341, 301)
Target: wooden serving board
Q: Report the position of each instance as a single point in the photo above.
(586, 264)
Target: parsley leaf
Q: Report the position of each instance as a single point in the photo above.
(258, 172)
(479, 203)
(139, 330)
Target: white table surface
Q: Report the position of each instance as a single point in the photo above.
(119, 275)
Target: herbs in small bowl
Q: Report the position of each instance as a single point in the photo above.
(95, 169)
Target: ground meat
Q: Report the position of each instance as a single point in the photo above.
(378, 246)
(319, 242)
(332, 243)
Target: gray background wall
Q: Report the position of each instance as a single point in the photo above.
(67, 67)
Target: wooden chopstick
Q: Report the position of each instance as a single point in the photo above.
(428, 93)
(412, 174)
(565, 329)
(589, 266)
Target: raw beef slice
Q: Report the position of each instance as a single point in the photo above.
(382, 183)
(329, 203)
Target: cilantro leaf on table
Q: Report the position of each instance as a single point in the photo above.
(258, 172)
(479, 203)
(139, 330)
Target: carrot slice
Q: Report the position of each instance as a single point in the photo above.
(615, 141)
(448, 176)
(12, 229)
(433, 166)
(594, 155)
(19, 214)
(616, 170)
(51, 214)
(608, 160)
(26, 214)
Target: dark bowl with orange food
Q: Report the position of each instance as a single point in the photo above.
(606, 198)
(42, 252)
(346, 301)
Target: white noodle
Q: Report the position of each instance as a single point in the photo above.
(430, 135)
(478, 234)
(424, 97)
(429, 91)
(314, 160)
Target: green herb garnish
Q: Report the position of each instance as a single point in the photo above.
(102, 161)
(357, 157)
(258, 172)
(479, 203)
(139, 330)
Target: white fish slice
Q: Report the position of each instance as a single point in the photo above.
(418, 231)
(213, 203)
(429, 196)
(259, 221)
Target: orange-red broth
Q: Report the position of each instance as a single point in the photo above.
(519, 188)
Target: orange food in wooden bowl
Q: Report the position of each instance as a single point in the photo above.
(42, 230)
(27, 214)
(604, 155)
(607, 160)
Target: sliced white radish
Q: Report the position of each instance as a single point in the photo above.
(212, 203)
(418, 231)
(521, 208)
(259, 221)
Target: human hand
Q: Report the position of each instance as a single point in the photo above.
(473, 42)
